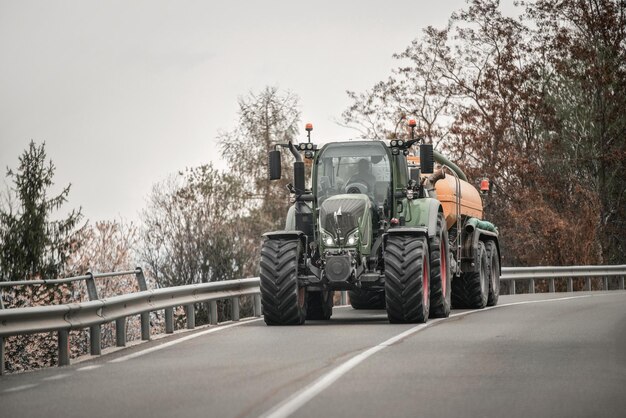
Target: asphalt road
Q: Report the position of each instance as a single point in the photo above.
(532, 356)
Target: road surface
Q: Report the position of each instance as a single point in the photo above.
(540, 355)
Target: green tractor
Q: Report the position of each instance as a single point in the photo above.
(371, 224)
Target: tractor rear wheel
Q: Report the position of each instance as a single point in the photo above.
(284, 303)
(367, 299)
(472, 288)
(494, 273)
(407, 277)
(320, 304)
(439, 253)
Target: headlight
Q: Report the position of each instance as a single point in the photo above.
(353, 238)
(328, 240)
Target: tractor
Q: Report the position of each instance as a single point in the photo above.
(377, 220)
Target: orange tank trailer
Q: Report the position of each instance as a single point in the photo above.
(471, 203)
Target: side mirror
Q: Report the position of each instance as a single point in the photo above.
(427, 160)
(298, 176)
(414, 174)
(274, 165)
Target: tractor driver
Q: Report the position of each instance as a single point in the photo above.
(364, 174)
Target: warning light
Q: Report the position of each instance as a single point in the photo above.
(412, 123)
(484, 185)
(309, 127)
(394, 222)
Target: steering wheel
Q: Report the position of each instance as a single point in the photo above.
(357, 187)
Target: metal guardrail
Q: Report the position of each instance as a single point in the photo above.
(88, 278)
(568, 273)
(94, 313)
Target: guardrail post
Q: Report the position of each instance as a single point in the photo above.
(621, 282)
(1, 356)
(551, 285)
(145, 326)
(64, 347)
(92, 291)
(588, 284)
(120, 332)
(512, 287)
(343, 300)
(606, 282)
(570, 284)
(213, 312)
(169, 320)
(234, 308)
(257, 305)
(145, 317)
(95, 340)
(1, 299)
(531, 287)
(141, 279)
(191, 316)
(95, 332)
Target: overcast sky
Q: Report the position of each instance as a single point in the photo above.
(126, 92)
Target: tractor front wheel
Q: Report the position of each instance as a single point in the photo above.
(284, 302)
(407, 277)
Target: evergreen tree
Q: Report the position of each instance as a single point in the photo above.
(32, 245)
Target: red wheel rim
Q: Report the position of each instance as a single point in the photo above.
(301, 296)
(444, 268)
(425, 287)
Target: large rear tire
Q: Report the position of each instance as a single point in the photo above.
(494, 273)
(284, 303)
(438, 247)
(367, 299)
(407, 277)
(320, 305)
(471, 289)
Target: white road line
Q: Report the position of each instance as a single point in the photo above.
(180, 340)
(299, 399)
(55, 377)
(18, 388)
(92, 367)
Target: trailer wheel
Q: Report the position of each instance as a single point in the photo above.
(494, 273)
(367, 299)
(407, 277)
(471, 289)
(438, 247)
(284, 303)
(320, 305)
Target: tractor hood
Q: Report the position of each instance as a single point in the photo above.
(346, 216)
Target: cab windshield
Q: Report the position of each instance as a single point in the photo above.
(354, 167)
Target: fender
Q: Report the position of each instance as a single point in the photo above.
(423, 214)
(292, 234)
(470, 245)
(417, 232)
(290, 222)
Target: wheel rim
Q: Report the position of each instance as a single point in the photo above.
(444, 268)
(425, 287)
(301, 296)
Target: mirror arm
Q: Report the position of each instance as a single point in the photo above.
(294, 151)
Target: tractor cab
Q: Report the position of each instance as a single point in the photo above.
(353, 167)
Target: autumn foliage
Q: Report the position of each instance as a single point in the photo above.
(534, 102)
